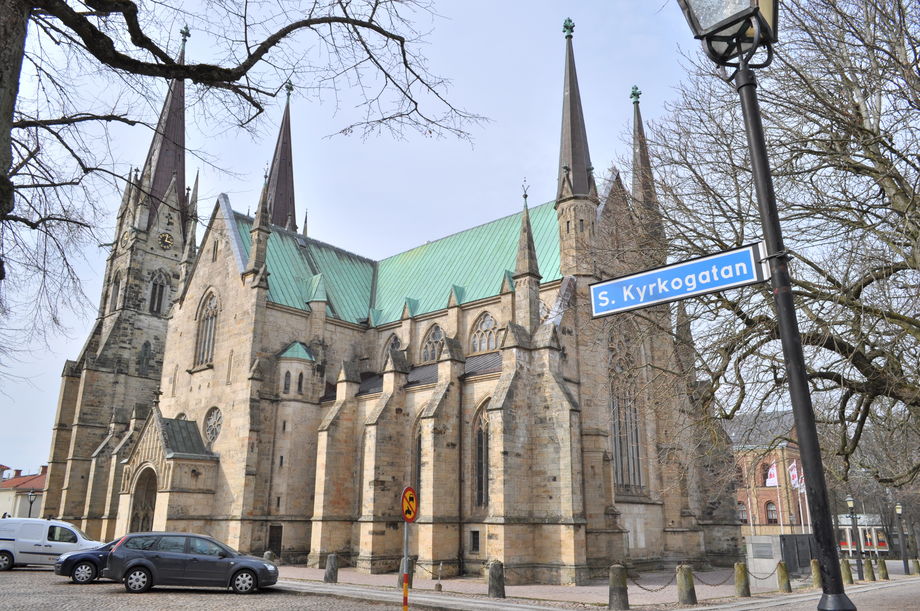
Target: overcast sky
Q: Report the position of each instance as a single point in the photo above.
(383, 196)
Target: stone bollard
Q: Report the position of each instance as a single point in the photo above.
(268, 555)
(782, 577)
(816, 574)
(883, 570)
(332, 569)
(496, 579)
(845, 571)
(742, 582)
(618, 598)
(686, 591)
(868, 571)
(916, 565)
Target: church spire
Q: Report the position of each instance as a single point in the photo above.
(166, 156)
(281, 174)
(526, 277)
(643, 183)
(259, 233)
(576, 175)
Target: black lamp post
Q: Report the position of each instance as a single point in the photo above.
(31, 497)
(732, 31)
(857, 538)
(903, 540)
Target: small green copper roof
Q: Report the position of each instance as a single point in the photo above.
(296, 350)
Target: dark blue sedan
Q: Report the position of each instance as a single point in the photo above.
(83, 566)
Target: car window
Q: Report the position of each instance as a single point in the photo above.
(204, 547)
(141, 542)
(61, 534)
(171, 544)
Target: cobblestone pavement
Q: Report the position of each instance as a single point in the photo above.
(35, 589)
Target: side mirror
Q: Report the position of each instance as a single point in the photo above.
(223, 555)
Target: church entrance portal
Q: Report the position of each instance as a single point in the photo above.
(144, 501)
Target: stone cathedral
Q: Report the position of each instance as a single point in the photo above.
(278, 392)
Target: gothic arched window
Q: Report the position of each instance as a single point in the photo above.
(287, 382)
(300, 384)
(392, 344)
(625, 431)
(484, 336)
(157, 291)
(143, 359)
(116, 291)
(772, 514)
(432, 345)
(742, 513)
(417, 461)
(207, 326)
(481, 457)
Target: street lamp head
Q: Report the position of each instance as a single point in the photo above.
(850, 501)
(731, 28)
(31, 495)
(898, 509)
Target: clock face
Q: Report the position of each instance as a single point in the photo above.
(166, 241)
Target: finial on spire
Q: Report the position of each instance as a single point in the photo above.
(568, 27)
(634, 94)
(525, 187)
(289, 87)
(185, 33)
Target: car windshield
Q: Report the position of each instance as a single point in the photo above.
(79, 532)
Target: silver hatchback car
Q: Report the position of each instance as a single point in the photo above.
(143, 560)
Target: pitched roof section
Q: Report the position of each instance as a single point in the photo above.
(297, 350)
(294, 260)
(166, 157)
(575, 171)
(760, 429)
(475, 261)
(183, 440)
(281, 176)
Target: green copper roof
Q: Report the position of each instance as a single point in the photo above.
(296, 350)
(293, 262)
(472, 263)
(474, 260)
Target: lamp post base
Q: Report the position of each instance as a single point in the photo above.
(836, 602)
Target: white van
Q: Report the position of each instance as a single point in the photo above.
(37, 541)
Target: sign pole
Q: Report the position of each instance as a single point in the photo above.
(409, 513)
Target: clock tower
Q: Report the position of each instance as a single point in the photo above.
(108, 391)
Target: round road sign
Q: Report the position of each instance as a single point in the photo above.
(409, 505)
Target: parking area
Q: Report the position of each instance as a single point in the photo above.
(39, 588)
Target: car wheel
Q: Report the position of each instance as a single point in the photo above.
(138, 580)
(6, 561)
(84, 572)
(244, 582)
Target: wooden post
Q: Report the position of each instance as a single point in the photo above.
(742, 582)
(618, 597)
(686, 592)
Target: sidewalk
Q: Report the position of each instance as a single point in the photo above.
(471, 592)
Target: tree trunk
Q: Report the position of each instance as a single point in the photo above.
(14, 18)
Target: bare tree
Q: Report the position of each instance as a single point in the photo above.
(68, 70)
(841, 107)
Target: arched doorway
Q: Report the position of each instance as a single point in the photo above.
(144, 501)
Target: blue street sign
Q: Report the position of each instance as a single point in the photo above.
(725, 270)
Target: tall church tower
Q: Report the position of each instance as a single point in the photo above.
(576, 198)
(108, 391)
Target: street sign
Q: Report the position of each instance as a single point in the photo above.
(409, 505)
(724, 270)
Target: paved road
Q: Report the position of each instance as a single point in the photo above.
(30, 589)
